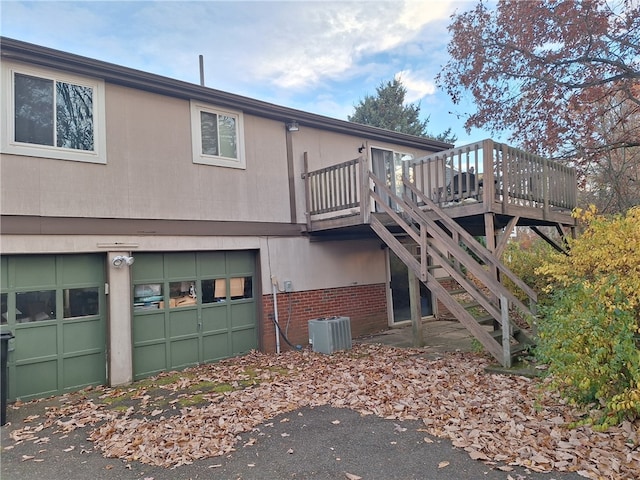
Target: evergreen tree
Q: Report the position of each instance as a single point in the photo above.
(387, 110)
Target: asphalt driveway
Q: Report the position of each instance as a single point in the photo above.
(310, 443)
(314, 441)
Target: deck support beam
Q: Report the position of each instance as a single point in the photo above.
(416, 309)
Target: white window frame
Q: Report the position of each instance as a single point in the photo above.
(10, 146)
(196, 137)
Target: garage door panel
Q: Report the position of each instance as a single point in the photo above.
(184, 352)
(81, 335)
(149, 327)
(36, 341)
(184, 322)
(214, 319)
(36, 379)
(149, 266)
(84, 370)
(216, 347)
(4, 271)
(82, 269)
(239, 262)
(149, 359)
(35, 271)
(243, 340)
(243, 315)
(212, 264)
(181, 265)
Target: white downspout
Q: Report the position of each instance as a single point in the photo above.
(274, 289)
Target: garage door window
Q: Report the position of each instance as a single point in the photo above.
(81, 302)
(241, 288)
(148, 296)
(215, 290)
(35, 306)
(182, 294)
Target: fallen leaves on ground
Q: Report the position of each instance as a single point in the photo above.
(500, 420)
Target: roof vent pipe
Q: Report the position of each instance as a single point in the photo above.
(201, 58)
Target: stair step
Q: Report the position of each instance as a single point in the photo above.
(497, 334)
(470, 305)
(519, 348)
(485, 320)
(457, 291)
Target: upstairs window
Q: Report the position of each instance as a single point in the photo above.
(53, 115)
(217, 136)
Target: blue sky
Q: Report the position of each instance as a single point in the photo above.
(321, 57)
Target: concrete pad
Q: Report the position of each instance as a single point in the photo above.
(439, 336)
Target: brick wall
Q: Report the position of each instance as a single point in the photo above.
(443, 312)
(365, 305)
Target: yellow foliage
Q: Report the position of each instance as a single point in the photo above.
(588, 333)
(609, 246)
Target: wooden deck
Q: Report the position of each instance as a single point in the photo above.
(430, 214)
(466, 182)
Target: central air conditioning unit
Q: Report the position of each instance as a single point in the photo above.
(330, 334)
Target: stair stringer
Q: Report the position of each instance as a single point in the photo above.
(416, 224)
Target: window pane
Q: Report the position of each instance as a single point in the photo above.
(80, 302)
(214, 290)
(209, 127)
(33, 110)
(74, 116)
(148, 297)
(228, 137)
(5, 308)
(241, 287)
(182, 294)
(35, 306)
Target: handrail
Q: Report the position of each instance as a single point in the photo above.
(418, 217)
(483, 253)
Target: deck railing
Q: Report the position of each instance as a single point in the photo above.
(486, 171)
(494, 172)
(334, 189)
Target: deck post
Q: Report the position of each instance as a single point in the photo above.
(416, 308)
(545, 188)
(490, 236)
(506, 332)
(307, 190)
(365, 197)
(504, 174)
(488, 178)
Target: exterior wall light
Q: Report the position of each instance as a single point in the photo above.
(292, 126)
(121, 260)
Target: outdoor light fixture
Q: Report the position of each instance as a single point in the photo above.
(292, 126)
(121, 260)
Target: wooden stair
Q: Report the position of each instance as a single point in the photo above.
(474, 294)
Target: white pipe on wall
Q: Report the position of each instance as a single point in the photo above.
(274, 289)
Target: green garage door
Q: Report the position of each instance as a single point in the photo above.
(54, 305)
(191, 308)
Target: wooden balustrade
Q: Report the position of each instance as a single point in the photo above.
(333, 188)
(495, 174)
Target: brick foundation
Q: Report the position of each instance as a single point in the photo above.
(365, 305)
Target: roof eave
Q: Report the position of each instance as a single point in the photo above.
(17, 50)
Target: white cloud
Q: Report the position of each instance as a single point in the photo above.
(416, 85)
(317, 56)
(331, 40)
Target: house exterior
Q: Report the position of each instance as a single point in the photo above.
(149, 224)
